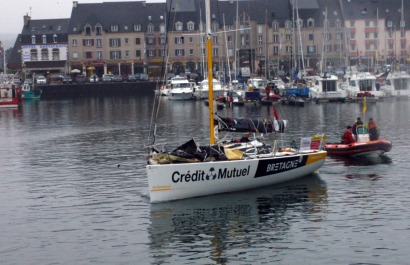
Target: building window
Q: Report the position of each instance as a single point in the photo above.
(162, 29)
(260, 51)
(99, 43)
(137, 41)
(311, 49)
(33, 55)
(367, 23)
(311, 36)
(352, 47)
(403, 45)
(376, 35)
(151, 53)
(179, 52)
(275, 26)
(352, 35)
(215, 52)
(127, 54)
(179, 40)
(150, 29)
(151, 41)
(126, 41)
(56, 54)
(191, 26)
(310, 23)
(55, 38)
(44, 39)
(88, 42)
(138, 53)
(367, 35)
(288, 49)
(162, 52)
(260, 29)
(352, 23)
(215, 27)
(137, 27)
(178, 26)
(288, 24)
(98, 30)
(275, 50)
(115, 42)
(191, 39)
(74, 43)
(162, 40)
(191, 52)
(230, 39)
(260, 39)
(337, 48)
(214, 39)
(275, 38)
(288, 37)
(87, 30)
(389, 24)
(33, 39)
(367, 47)
(300, 23)
(44, 54)
(88, 55)
(114, 28)
(338, 24)
(99, 55)
(115, 55)
(403, 34)
(75, 55)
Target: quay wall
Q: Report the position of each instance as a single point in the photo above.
(99, 89)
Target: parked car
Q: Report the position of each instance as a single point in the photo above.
(93, 79)
(117, 78)
(41, 80)
(67, 79)
(80, 79)
(131, 78)
(108, 78)
(144, 77)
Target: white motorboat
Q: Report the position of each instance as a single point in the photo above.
(325, 88)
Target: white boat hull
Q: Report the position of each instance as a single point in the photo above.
(169, 182)
(180, 95)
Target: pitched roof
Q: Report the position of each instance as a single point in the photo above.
(46, 26)
(116, 13)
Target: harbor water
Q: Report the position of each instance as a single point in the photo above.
(73, 190)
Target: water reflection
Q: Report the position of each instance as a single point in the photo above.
(215, 224)
(362, 161)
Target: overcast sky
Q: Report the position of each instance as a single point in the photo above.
(12, 12)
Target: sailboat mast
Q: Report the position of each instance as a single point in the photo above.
(210, 77)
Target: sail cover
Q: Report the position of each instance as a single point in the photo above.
(257, 125)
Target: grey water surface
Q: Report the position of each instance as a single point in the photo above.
(73, 190)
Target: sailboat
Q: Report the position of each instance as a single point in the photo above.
(191, 170)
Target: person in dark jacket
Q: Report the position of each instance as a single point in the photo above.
(245, 138)
(357, 122)
(347, 137)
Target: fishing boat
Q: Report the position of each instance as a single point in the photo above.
(30, 92)
(10, 95)
(363, 147)
(193, 170)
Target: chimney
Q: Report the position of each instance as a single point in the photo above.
(75, 3)
(26, 20)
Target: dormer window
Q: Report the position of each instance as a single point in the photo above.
(191, 25)
(55, 38)
(402, 24)
(300, 23)
(275, 26)
(162, 28)
(338, 24)
(178, 26)
(150, 29)
(33, 39)
(87, 30)
(114, 28)
(389, 24)
(98, 30)
(215, 27)
(137, 27)
(288, 24)
(44, 39)
(310, 23)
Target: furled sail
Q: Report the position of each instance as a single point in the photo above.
(257, 125)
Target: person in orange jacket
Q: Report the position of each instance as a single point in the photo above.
(373, 132)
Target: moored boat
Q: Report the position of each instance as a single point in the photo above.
(10, 95)
(30, 92)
